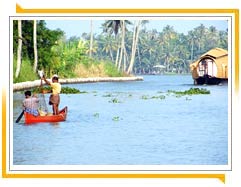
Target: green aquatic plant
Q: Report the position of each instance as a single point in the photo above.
(158, 97)
(178, 96)
(96, 115)
(68, 90)
(116, 118)
(191, 91)
(145, 97)
(83, 92)
(114, 100)
(160, 92)
(130, 95)
(107, 95)
(64, 90)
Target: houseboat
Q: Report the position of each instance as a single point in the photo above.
(211, 67)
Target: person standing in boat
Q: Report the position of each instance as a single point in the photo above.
(54, 98)
(30, 103)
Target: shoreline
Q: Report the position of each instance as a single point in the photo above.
(32, 84)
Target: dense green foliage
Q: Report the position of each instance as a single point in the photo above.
(157, 52)
(56, 55)
(111, 70)
(46, 40)
(26, 73)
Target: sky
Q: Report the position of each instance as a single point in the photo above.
(77, 27)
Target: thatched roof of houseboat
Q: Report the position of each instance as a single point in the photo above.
(217, 54)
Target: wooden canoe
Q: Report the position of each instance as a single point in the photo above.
(29, 118)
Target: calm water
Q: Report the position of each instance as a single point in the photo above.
(117, 123)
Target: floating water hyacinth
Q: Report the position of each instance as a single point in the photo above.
(144, 97)
(191, 91)
(107, 95)
(96, 115)
(64, 90)
(116, 118)
(158, 97)
(114, 100)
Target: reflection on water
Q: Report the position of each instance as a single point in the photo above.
(116, 123)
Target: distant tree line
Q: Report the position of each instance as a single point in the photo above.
(126, 45)
(168, 49)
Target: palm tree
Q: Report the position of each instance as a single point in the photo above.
(35, 46)
(19, 52)
(93, 49)
(110, 27)
(168, 37)
(223, 39)
(212, 36)
(91, 38)
(134, 43)
(108, 46)
(200, 33)
(192, 37)
(113, 26)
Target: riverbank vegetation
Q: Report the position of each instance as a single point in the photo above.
(123, 48)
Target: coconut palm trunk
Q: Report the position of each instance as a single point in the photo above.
(91, 38)
(126, 57)
(134, 46)
(19, 52)
(192, 50)
(111, 55)
(117, 56)
(122, 43)
(35, 46)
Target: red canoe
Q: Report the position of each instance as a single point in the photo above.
(29, 118)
